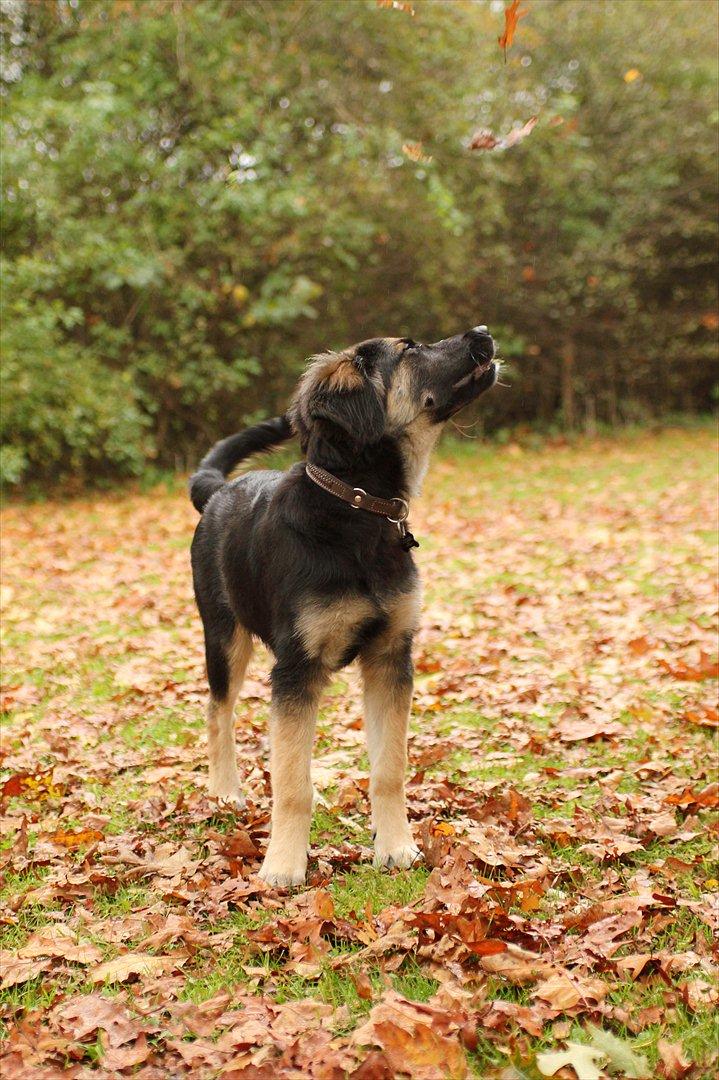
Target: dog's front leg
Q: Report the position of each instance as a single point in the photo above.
(387, 698)
(292, 728)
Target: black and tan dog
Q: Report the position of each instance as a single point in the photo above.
(315, 562)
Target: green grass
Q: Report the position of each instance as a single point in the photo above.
(588, 509)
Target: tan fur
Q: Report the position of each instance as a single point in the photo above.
(336, 370)
(291, 736)
(386, 713)
(416, 444)
(327, 628)
(224, 778)
(401, 408)
(402, 611)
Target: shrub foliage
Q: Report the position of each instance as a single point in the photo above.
(198, 195)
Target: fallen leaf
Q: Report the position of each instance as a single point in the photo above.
(60, 941)
(674, 1065)
(583, 1059)
(16, 971)
(74, 840)
(620, 1053)
(124, 967)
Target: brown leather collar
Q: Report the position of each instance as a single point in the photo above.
(395, 510)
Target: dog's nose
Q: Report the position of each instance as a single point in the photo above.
(480, 343)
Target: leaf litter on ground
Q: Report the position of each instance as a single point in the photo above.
(565, 805)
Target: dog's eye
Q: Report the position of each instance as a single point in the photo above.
(428, 401)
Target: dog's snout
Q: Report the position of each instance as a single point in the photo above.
(481, 342)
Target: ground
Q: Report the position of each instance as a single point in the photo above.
(562, 780)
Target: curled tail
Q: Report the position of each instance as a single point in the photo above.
(223, 457)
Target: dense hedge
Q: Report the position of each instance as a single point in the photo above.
(198, 195)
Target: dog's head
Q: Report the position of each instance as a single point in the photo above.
(388, 386)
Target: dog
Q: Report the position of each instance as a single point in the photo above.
(316, 562)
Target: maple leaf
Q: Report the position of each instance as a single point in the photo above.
(512, 15)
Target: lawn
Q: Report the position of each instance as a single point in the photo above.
(562, 780)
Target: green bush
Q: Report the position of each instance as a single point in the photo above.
(197, 196)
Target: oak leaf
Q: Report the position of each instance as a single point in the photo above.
(124, 967)
(583, 1059)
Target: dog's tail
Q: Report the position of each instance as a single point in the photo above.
(223, 457)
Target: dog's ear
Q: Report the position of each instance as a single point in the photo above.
(339, 388)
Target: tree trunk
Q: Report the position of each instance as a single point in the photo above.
(568, 398)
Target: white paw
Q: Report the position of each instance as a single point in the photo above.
(283, 876)
(402, 856)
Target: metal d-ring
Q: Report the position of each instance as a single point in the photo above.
(358, 495)
(404, 512)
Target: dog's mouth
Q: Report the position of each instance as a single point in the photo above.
(477, 374)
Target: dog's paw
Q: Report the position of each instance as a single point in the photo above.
(402, 856)
(283, 876)
(232, 798)
(318, 799)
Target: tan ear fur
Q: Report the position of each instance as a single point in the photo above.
(337, 371)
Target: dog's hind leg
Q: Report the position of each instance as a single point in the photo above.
(226, 667)
(296, 689)
(387, 679)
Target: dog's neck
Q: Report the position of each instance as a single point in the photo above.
(397, 462)
(379, 469)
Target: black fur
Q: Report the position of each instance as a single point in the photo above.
(278, 558)
(225, 455)
(268, 542)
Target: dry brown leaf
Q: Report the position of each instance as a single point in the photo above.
(17, 971)
(484, 139)
(128, 965)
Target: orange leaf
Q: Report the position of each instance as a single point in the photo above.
(415, 152)
(397, 5)
(512, 15)
(73, 840)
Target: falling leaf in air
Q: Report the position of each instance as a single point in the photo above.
(512, 15)
(415, 152)
(397, 5)
(632, 75)
(484, 139)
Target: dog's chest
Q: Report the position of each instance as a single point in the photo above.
(333, 631)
